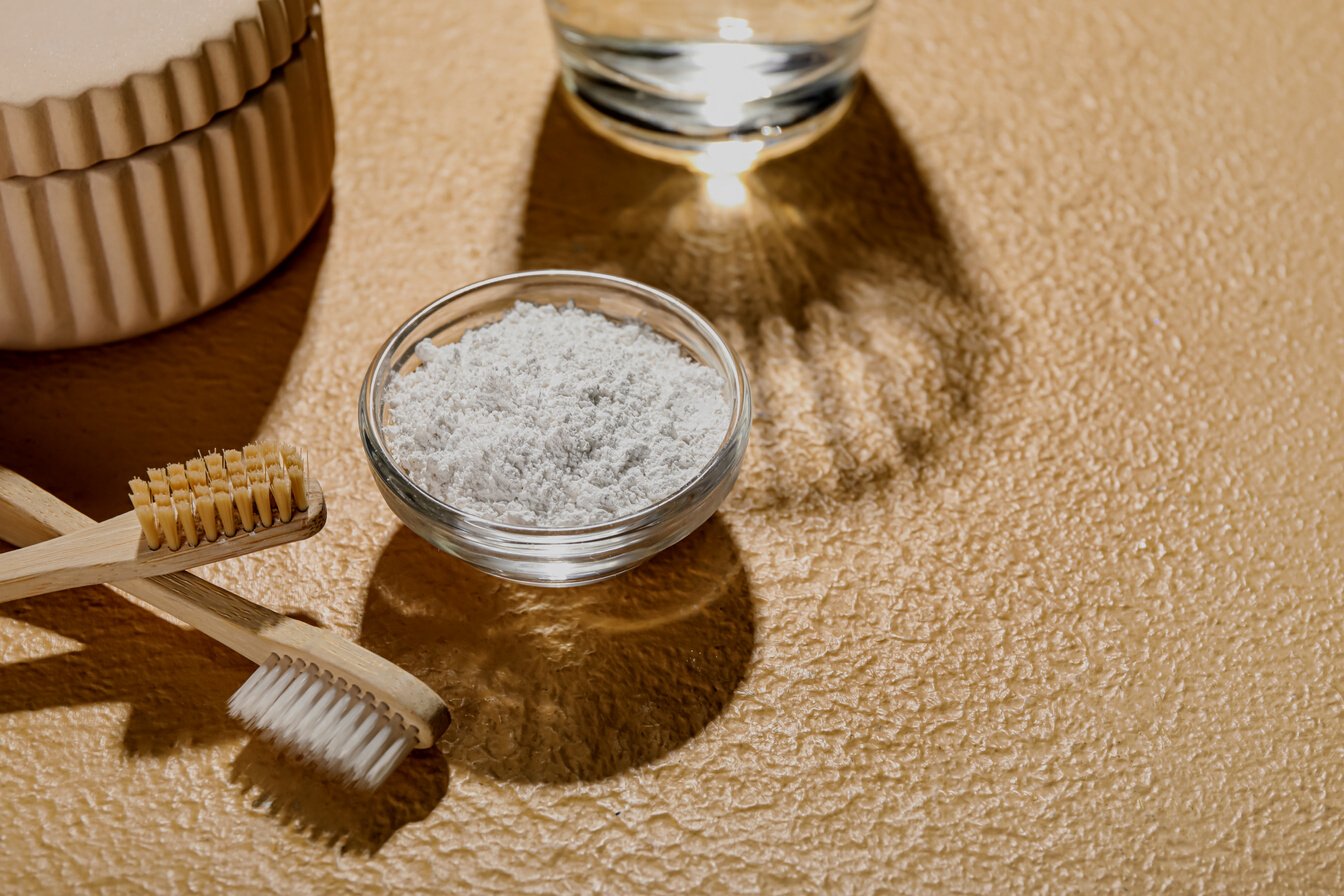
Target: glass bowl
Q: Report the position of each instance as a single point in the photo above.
(556, 556)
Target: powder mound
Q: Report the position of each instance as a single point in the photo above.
(555, 416)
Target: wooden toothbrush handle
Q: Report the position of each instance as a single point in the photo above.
(115, 550)
(29, 514)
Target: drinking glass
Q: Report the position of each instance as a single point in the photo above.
(716, 84)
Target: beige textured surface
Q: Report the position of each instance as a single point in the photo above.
(82, 82)
(1033, 574)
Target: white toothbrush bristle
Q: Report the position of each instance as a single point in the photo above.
(324, 720)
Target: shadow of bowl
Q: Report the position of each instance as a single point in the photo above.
(579, 684)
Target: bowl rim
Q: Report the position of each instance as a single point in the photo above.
(385, 467)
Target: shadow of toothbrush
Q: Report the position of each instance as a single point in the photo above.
(332, 814)
(176, 681)
(177, 684)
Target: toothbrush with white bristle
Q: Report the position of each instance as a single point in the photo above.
(318, 696)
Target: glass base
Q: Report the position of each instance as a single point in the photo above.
(711, 154)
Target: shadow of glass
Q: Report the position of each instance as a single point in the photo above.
(332, 814)
(556, 686)
(109, 411)
(176, 681)
(833, 275)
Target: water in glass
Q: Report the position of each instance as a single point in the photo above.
(717, 84)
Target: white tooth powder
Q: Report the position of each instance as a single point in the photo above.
(555, 417)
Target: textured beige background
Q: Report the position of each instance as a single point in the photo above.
(1033, 575)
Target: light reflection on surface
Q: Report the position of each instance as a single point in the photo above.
(733, 157)
(733, 28)
(726, 190)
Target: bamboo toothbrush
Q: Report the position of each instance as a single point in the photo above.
(326, 700)
(187, 515)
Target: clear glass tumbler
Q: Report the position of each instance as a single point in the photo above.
(716, 84)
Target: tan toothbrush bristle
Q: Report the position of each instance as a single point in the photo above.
(163, 511)
(223, 497)
(182, 504)
(261, 488)
(144, 512)
(178, 486)
(182, 501)
(205, 511)
(261, 494)
(295, 470)
(213, 495)
(242, 502)
(177, 482)
(284, 503)
(158, 482)
(196, 474)
(242, 494)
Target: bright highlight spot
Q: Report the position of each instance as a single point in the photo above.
(722, 111)
(726, 190)
(732, 157)
(733, 28)
(730, 70)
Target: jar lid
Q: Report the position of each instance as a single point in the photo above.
(83, 81)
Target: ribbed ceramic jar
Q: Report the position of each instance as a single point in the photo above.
(161, 174)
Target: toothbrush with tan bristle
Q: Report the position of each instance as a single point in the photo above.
(323, 698)
(183, 516)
